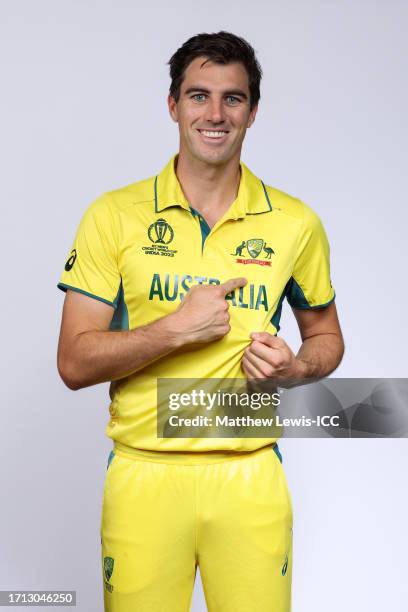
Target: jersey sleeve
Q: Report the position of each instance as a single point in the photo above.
(310, 285)
(92, 262)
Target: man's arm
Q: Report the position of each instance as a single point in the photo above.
(322, 346)
(321, 351)
(89, 353)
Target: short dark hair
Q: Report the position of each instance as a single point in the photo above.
(221, 48)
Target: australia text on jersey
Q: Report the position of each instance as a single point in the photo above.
(171, 287)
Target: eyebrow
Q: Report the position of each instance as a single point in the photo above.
(230, 92)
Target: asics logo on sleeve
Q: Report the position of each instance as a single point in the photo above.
(71, 260)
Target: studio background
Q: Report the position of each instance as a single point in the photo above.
(83, 111)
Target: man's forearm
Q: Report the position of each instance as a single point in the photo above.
(320, 355)
(100, 356)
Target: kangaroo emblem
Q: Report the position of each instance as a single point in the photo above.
(269, 251)
(240, 248)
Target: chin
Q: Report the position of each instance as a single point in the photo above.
(216, 158)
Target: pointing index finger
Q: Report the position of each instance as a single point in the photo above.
(233, 283)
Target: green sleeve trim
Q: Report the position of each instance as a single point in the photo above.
(64, 287)
(319, 306)
(297, 299)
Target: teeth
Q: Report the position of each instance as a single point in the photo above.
(212, 134)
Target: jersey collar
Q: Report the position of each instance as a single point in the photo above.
(252, 195)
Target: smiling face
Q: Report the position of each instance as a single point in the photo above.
(213, 111)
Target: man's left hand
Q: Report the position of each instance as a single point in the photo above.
(270, 357)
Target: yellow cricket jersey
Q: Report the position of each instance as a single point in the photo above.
(140, 248)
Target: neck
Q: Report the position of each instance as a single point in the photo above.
(209, 188)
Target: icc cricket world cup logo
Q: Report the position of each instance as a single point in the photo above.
(160, 232)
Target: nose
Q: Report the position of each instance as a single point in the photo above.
(215, 111)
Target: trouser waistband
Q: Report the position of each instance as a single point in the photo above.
(187, 457)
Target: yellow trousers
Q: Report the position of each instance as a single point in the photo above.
(164, 514)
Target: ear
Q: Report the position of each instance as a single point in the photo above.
(252, 116)
(172, 104)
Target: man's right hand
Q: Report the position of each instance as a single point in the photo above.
(203, 314)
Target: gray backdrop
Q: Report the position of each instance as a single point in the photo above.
(83, 110)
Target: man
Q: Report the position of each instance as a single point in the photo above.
(171, 277)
